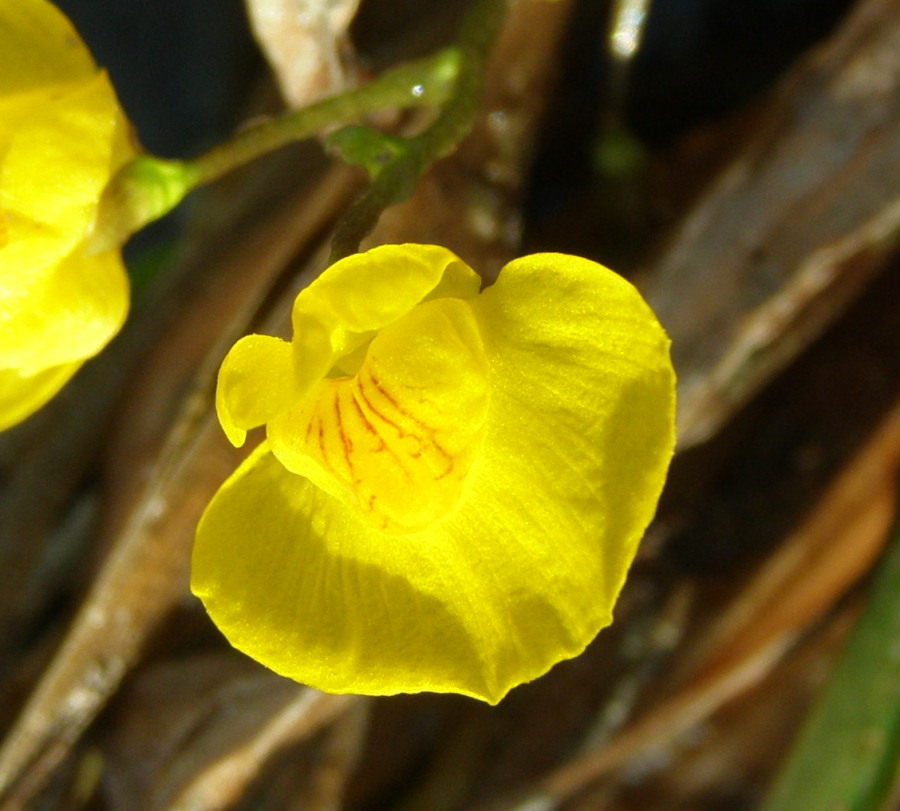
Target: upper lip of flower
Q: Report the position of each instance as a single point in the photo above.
(398, 448)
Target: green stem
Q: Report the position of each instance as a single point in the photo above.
(396, 180)
(425, 81)
(477, 35)
(148, 187)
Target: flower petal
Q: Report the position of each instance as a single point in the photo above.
(575, 454)
(312, 591)
(68, 316)
(21, 395)
(255, 385)
(57, 163)
(343, 308)
(39, 46)
(585, 392)
(57, 305)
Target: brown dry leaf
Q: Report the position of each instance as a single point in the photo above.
(337, 760)
(726, 760)
(792, 230)
(306, 44)
(816, 564)
(191, 734)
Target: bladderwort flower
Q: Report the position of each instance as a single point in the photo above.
(453, 483)
(62, 136)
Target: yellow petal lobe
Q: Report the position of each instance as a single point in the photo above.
(39, 47)
(342, 309)
(255, 384)
(22, 395)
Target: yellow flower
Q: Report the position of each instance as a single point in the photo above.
(453, 483)
(62, 135)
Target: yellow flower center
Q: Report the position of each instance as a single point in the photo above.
(397, 438)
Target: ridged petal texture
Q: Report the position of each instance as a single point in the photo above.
(62, 135)
(453, 503)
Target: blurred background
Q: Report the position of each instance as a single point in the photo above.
(740, 161)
